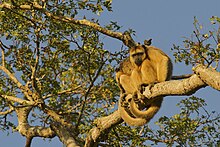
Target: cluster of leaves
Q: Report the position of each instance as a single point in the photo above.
(201, 48)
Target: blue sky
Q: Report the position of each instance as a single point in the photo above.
(167, 22)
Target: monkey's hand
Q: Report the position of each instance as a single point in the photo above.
(141, 88)
(144, 86)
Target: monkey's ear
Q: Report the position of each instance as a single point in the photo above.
(148, 42)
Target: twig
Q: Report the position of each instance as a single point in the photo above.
(7, 111)
(25, 90)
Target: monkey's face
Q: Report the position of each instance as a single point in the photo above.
(137, 55)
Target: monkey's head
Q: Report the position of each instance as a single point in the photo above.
(138, 55)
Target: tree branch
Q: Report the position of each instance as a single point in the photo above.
(36, 64)
(208, 75)
(17, 100)
(124, 37)
(3, 54)
(31, 131)
(103, 125)
(65, 135)
(175, 87)
(7, 111)
(24, 89)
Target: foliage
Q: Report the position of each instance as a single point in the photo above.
(74, 73)
(202, 47)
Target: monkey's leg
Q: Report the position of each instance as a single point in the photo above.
(126, 116)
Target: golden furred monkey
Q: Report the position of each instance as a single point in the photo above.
(146, 65)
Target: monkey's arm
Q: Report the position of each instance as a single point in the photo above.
(164, 69)
(162, 63)
(127, 118)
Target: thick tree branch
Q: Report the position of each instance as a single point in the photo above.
(103, 125)
(31, 131)
(65, 136)
(124, 37)
(208, 75)
(175, 87)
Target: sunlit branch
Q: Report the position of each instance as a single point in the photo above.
(175, 87)
(68, 91)
(102, 127)
(25, 90)
(17, 100)
(209, 76)
(124, 37)
(31, 131)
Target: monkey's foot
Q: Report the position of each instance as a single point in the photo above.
(125, 100)
(125, 104)
(123, 97)
(141, 87)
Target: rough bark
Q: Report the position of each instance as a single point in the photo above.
(209, 76)
(175, 87)
(65, 135)
(31, 131)
(103, 125)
